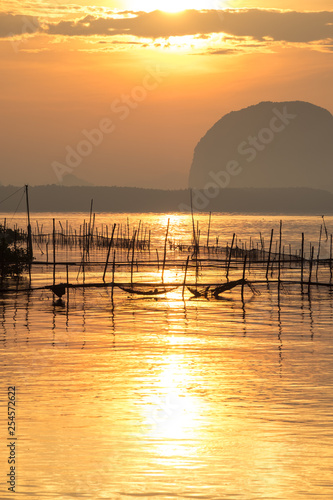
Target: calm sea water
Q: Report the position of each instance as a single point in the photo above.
(164, 397)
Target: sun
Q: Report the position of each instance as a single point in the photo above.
(173, 6)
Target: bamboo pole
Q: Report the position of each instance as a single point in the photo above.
(93, 227)
(230, 253)
(193, 225)
(244, 271)
(113, 272)
(54, 251)
(133, 250)
(90, 216)
(165, 249)
(261, 242)
(138, 236)
(210, 216)
(158, 260)
(109, 250)
(83, 267)
(331, 268)
(319, 248)
(310, 269)
(30, 251)
(269, 253)
(302, 260)
(280, 244)
(185, 274)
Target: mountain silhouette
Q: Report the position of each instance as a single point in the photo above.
(268, 145)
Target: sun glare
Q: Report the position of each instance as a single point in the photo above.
(173, 6)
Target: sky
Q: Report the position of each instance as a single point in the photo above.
(119, 92)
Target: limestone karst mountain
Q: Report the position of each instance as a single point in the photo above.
(268, 145)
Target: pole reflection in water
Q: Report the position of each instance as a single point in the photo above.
(280, 329)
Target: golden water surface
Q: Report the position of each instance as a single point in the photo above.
(169, 398)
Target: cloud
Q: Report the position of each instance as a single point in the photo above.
(297, 27)
(273, 25)
(236, 30)
(220, 52)
(11, 25)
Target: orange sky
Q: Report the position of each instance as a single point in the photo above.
(151, 82)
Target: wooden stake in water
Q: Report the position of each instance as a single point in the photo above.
(262, 242)
(54, 251)
(310, 269)
(132, 262)
(331, 268)
(30, 252)
(185, 274)
(158, 260)
(138, 238)
(83, 266)
(113, 272)
(210, 216)
(90, 218)
(302, 260)
(269, 253)
(93, 229)
(244, 271)
(193, 225)
(109, 250)
(165, 249)
(280, 244)
(319, 248)
(325, 228)
(230, 253)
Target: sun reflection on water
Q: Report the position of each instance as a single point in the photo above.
(171, 412)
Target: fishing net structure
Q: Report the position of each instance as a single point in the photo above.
(215, 290)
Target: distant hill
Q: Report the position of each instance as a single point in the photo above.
(269, 145)
(73, 180)
(55, 198)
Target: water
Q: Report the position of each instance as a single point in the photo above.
(165, 398)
